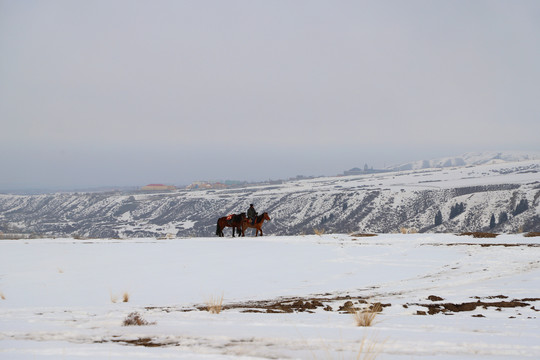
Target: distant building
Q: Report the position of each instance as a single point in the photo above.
(158, 187)
(202, 185)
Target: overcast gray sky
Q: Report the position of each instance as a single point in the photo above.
(132, 92)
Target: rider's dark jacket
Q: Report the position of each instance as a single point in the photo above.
(251, 213)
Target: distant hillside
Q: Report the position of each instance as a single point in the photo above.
(500, 196)
(468, 159)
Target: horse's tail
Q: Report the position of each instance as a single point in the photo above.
(218, 230)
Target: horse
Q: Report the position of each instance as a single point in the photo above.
(234, 220)
(259, 220)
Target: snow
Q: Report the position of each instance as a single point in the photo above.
(472, 158)
(58, 297)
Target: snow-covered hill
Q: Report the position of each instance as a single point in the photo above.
(468, 159)
(381, 203)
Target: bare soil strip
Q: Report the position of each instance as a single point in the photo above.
(449, 308)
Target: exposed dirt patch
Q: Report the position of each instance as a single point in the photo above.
(532, 234)
(146, 342)
(349, 304)
(490, 244)
(326, 302)
(363, 235)
(531, 299)
(479, 234)
(297, 304)
(433, 309)
(494, 297)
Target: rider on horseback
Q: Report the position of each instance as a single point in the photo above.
(251, 214)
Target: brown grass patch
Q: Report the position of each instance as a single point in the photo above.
(363, 235)
(405, 230)
(215, 304)
(135, 319)
(125, 297)
(319, 231)
(478, 234)
(532, 234)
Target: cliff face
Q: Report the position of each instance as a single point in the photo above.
(379, 203)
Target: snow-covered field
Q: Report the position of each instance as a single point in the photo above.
(62, 298)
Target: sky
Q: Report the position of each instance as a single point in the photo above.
(125, 93)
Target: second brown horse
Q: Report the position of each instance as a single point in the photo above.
(259, 220)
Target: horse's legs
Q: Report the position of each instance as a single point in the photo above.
(219, 230)
(239, 231)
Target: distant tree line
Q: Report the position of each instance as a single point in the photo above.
(456, 210)
(503, 216)
(459, 208)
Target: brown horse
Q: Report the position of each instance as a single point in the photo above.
(259, 220)
(234, 220)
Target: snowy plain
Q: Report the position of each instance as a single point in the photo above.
(62, 298)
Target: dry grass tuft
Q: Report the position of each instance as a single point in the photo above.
(2, 296)
(366, 317)
(369, 350)
(318, 231)
(215, 304)
(135, 319)
(114, 298)
(405, 230)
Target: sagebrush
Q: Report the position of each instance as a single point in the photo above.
(135, 319)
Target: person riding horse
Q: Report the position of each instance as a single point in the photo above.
(252, 214)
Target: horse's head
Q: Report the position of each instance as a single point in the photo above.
(266, 217)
